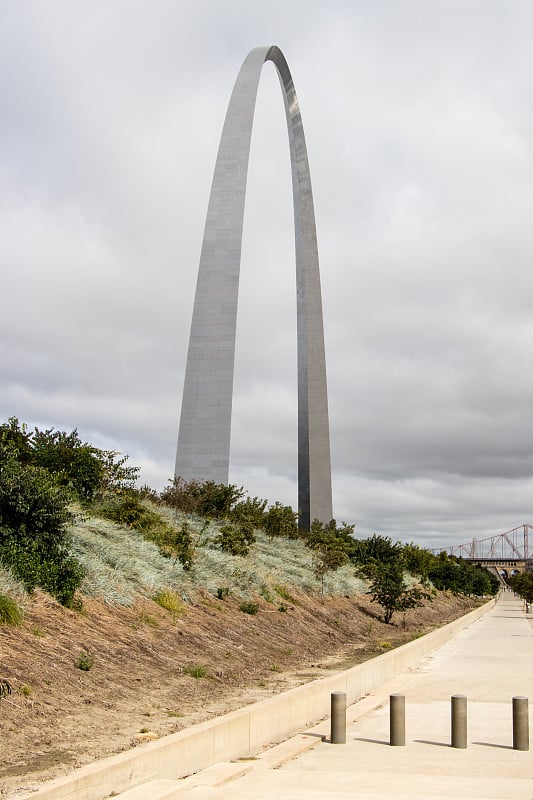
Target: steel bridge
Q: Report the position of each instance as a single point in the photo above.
(512, 545)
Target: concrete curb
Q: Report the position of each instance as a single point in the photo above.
(243, 732)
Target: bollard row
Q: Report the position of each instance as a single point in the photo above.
(459, 721)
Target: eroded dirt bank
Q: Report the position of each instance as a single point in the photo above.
(141, 682)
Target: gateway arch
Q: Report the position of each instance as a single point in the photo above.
(205, 424)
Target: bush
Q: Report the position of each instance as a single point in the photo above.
(85, 471)
(84, 661)
(249, 608)
(236, 540)
(250, 511)
(203, 498)
(281, 520)
(10, 613)
(33, 530)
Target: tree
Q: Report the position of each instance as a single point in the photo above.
(522, 584)
(376, 548)
(389, 589)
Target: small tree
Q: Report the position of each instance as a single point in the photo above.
(389, 589)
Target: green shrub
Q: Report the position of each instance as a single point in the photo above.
(85, 661)
(204, 498)
(281, 520)
(195, 671)
(10, 613)
(222, 592)
(81, 469)
(33, 530)
(251, 510)
(249, 608)
(236, 540)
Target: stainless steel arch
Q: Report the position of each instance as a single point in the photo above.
(205, 424)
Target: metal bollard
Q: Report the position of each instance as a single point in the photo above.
(459, 721)
(338, 718)
(520, 723)
(397, 720)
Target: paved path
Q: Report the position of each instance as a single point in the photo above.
(490, 662)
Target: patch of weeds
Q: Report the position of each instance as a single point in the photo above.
(77, 605)
(275, 668)
(195, 670)
(38, 631)
(10, 613)
(418, 634)
(173, 713)
(149, 619)
(266, 594)
(25, 690)
(170, 602)
(385, 645)
(222, 592)
(262, 684)
(249, 608)
(85, 661)
(368, 629)
(144, 730)
(282, 607)
(284, 593)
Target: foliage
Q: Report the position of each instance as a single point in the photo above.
(85, 471)
(195, 670)
(170, 601)
(379, 549)
(249, 608)
(204, 498)
(330, 546)
(389, 589)
(236, 540)
(461, 577)
(251, 510)
(126, 509)
(417, 561)
(33, 529)
(84, 661)
(281, 520)
(10, 613)
(522, 584)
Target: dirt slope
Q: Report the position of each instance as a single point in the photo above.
(60, 716)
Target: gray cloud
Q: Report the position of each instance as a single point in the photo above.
(419, 131)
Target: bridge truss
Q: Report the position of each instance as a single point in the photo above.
(513, 544)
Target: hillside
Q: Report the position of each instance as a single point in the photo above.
(153, 671)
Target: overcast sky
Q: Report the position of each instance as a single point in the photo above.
(419, 125)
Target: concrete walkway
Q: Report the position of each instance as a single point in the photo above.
(489, 662)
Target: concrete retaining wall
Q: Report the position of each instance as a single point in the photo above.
(243, 732)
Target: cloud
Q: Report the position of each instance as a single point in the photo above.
(418, 125)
